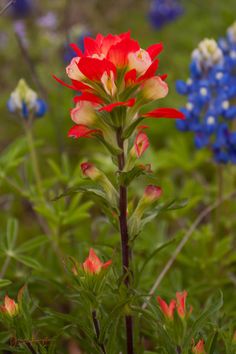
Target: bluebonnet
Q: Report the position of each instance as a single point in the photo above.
(21, 8)
(211, 94)
(25, 102)
(164, 11)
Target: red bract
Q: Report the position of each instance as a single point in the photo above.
(114, 71)
(81, 131)
(164, 113)
(167, 310)
(111, 106)
(93, 265)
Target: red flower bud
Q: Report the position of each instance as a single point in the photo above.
(10, 307)
(93, 265)
(89, 170)
(152, 192)
(141, 143)
(199, 347)
(167, 310)
(181, 304)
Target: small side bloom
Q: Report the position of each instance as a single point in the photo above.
(10, 307)
(167, 310)
(93, 265)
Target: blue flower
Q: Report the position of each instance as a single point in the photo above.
(164, 11)
(211, 94)
(25, 102)
(21, 8)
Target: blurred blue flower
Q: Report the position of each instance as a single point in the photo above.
(211, 94)
(25, 102)
(164, 11)
(22, 8)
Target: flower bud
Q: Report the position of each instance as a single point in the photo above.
(167, 310)
(108, 82)
(93, 265)
(10, 307)
(155, 88)
(199, 347)
(208, 53)
(181, 304)
(141, 143)
(90, 171)
(152, 193)
(140, 61)
(83, 113)
(73, 71)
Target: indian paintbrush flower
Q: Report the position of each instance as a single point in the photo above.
(199, 347)
(10, 307)
(93, 265)
(108, 68)
(25, 102)
(179, 304)
(167, 310)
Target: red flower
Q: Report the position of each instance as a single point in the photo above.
(199, 347)
(114, 71)
(93, 265)
(167, 310)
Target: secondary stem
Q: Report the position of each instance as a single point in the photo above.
(97, 330)
(34, 160)
(126, 251)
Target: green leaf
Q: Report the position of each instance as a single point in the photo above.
(215, 305)
(153, 254)
(129, 130)
(125, 178)
(31, 244)
(28, 261)
(12, 231)
(211, 343)
(4, 282)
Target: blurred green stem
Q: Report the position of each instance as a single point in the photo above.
(220, 191)
(34, 159)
